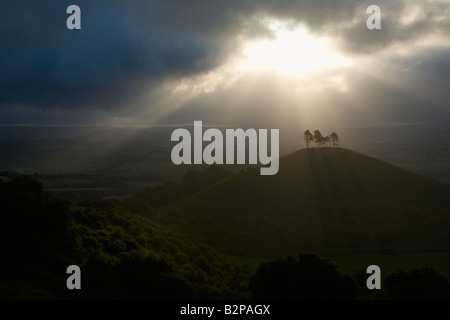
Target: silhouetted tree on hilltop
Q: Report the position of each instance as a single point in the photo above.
(308, 137)
(334, 138)
(318, 138)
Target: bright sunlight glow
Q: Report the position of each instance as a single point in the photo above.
(291, 51)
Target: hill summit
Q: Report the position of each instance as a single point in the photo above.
(325, 201)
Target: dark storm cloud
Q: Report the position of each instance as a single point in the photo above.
(126, 48)
(44, 64)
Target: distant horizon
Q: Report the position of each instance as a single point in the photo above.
(419, 147)
(170, 125)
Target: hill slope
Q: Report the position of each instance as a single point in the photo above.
(326, 201)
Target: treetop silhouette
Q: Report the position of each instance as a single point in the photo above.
(321, 141)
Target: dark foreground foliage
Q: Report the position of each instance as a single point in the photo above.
(417, 284)
(125, 255)
(305, 277)
(122, 255)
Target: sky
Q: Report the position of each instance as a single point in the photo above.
(252, 63)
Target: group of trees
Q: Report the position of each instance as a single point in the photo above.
(310, 277)
(321, 141)
(303, 278)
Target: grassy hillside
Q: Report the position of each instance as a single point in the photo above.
(325, 201)
(355, 210)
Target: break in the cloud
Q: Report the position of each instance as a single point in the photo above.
(177, 60)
